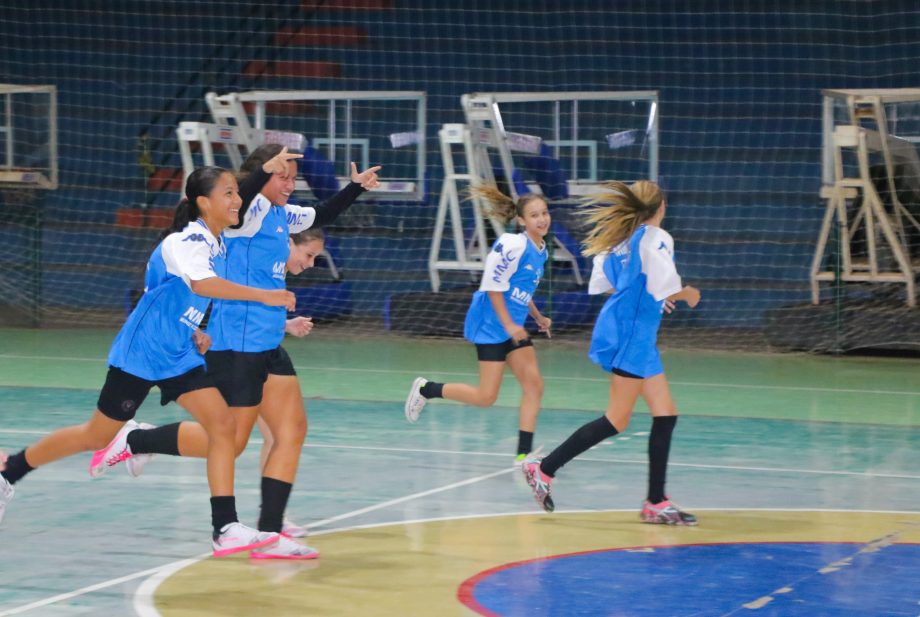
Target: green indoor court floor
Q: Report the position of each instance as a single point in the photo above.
(772, 448)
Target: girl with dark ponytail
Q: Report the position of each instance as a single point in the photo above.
(495, 319)
(246, 358)
(634, 262)
(156, 347)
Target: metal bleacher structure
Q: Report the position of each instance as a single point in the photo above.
(854, 140)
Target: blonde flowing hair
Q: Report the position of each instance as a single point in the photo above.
(616, 212)
(499, 205)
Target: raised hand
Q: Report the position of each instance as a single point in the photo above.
(368, 178)
(278, 164)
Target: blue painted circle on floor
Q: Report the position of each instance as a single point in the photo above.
(794, 580)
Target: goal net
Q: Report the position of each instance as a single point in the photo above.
(732, 108)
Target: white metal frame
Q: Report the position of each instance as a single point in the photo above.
(865, 132)
(232, 138)
(10, 172)
(485, 131)
(229, 107)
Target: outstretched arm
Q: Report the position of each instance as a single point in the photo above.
(328, 211)
(222, 289)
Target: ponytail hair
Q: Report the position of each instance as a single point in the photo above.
(499, 205)
(200, 183)
(616, 212)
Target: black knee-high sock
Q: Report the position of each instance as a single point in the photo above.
(223, 512)
(275, 495)
(659, 446)
(525, 442)
(432, 389)
(159, 440)
(588, 435)
(16, 467)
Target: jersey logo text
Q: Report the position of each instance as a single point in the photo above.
(192, 317)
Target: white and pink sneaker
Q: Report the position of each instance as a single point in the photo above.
(286, 548)
(114, 453)
(237, 537)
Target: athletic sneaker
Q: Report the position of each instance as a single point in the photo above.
(114, 453)
(539, 482)
(415, 402)
(6, 489)
(292, 529)
(285, 549)
(665, 513)
(236, 537)
(135, 464)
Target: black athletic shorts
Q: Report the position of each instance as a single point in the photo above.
(240, 375)
(123, 392)
(497, 352)
(623, 373)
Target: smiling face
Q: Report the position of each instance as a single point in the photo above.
(279, 188)
(304, 255)
(535, 220)
(221, 207)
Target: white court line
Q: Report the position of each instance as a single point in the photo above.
(692, 384)
(143, 600)
(589, 458)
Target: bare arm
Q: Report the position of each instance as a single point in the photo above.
(689, 294)
(516, 332)
(543, 322)
(222, 289)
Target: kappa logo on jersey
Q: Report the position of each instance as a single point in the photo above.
(280, 230)
(520, 296)
(192, 317)
(278, 270)
(528, 267)
(501, 268)
(194, 238)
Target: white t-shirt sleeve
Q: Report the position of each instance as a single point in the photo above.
(188, 255)
(252, 220)
(657, 253)
(299, 218)
(599, 282)
(502, 262)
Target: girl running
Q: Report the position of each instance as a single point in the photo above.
(156, 347)
(495, 319)
(251, 369)
(634, 261)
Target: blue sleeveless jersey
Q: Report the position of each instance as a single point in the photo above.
(156, 341)
(257, 255)
(641, 273)
(514, 267)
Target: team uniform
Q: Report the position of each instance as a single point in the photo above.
(155, 345)
(641, 273)
(514, 267)
(246, 336)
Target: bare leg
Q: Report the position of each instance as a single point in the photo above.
(623, 394)
(523, 363)
(268, 441)
(208, 407)
(193, 437)
(283, 411)
(92, 435)
(483, 394)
